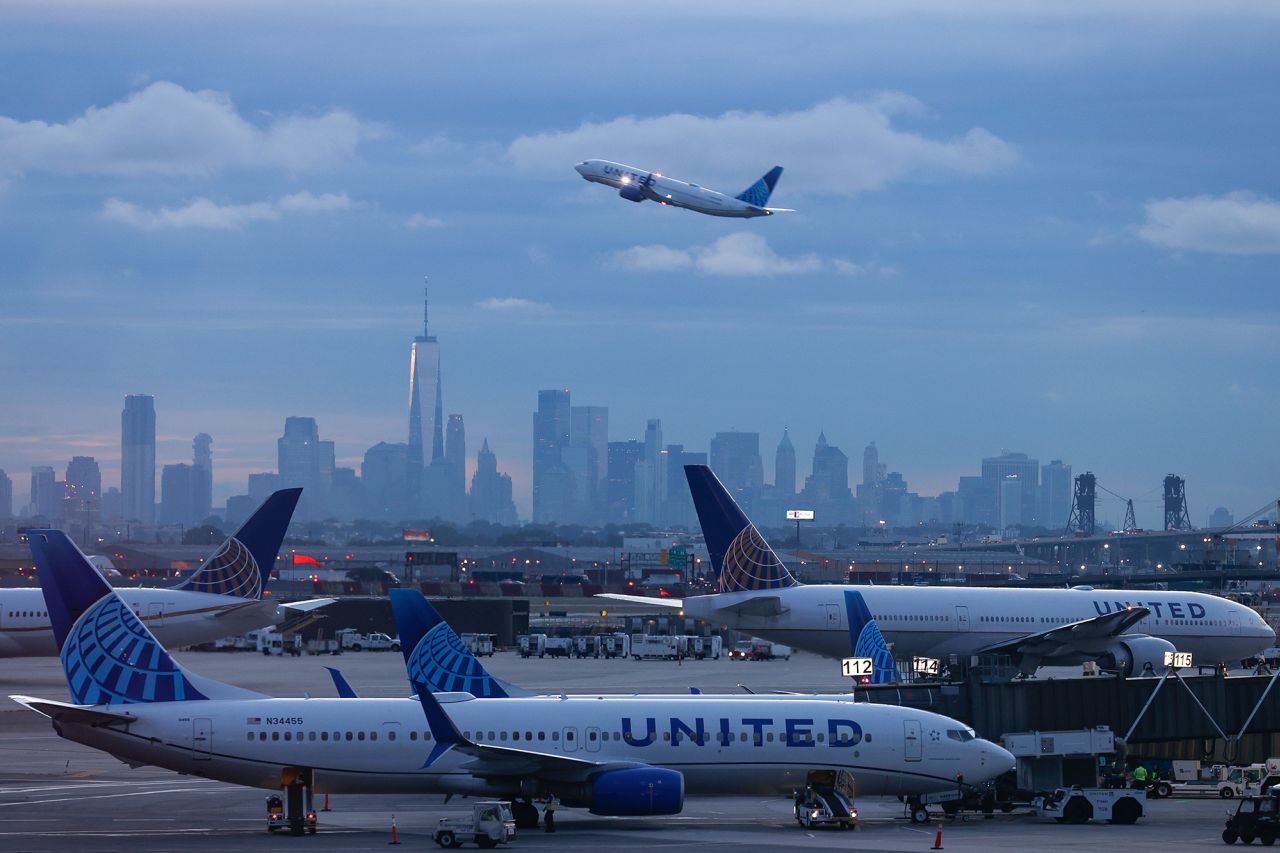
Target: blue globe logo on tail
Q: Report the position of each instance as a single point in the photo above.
(866, 639)
(231, 571)
(442, 662)
(750, 564)
(111, 658)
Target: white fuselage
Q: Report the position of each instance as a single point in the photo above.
(177, 617)
(657, 187)
(934, 621)
(748, 746)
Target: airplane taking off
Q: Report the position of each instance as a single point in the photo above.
(629, 756)
(637, 185)
(222, 598)
(1126, 630)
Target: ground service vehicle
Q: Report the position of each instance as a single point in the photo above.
(277, 820)
(616, 645)
(705, 647)
(1255, 817)
(587, 646)
(478, 644)
(490, 824)
(353, 640)
(827, 800)
(1067, 764)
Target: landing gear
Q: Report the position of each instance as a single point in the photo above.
(525, 813)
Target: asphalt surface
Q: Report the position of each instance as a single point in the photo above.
(58, 796)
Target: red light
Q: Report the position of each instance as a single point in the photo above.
(631, 583)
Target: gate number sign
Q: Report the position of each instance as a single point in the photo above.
(1177, 660)
(925, 666)
(857, 667)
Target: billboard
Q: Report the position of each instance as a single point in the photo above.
(799, 515)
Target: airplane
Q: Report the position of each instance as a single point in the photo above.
(637, 185)
(222, 598)
(630, 756)
(1125, 630)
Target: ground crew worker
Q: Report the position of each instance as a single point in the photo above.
(549, 813)
(1139, 777)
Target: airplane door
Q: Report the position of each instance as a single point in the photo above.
(593, 739)
(570, 738)
(911, 749)
(1233, 626)
(962, 618)
(201, 738)
(155, 614)
(833, 616)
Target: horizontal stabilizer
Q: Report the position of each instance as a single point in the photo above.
(309, 605)
(673, 603)
(73, 713)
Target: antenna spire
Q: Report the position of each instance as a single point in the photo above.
(426, 331)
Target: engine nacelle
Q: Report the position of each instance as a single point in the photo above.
(632, 192)
(637, 792)
(1132, 653)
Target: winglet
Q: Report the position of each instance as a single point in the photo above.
(865, 638)
(739, 554)
(242, 565)
(434, 654)
(443, 732)
(340, 683)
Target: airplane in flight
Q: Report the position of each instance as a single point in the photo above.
(637, 185)
(222, 598)
(1125, 630)
(632, 756)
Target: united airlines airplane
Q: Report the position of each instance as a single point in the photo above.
(615, 756)
(637, 185)
(222, 598)
(1125, 630)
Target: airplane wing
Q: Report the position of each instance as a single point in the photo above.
(763, 605)
(309, 605)
(504, 761)
(73, 713)
(673, 603)
(1075, 637)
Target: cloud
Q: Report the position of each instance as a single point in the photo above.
(512, 304)
(840, 146)
(165, 129)
(1238, 223)
(205, 213)
(742, 254)
(422, 222)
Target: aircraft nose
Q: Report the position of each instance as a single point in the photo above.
(996, 760)
(581, 168)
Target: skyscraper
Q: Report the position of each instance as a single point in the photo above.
(830, 478)
(552, 481)
(179, 486)
(620, 490)
(202, 461)
(996, 469)
(82, 492)
(651, 477)
(138, 457)
(784, 466)
(1055, 494)
(735, 457)
(455, 463)
(425, 403)
(384, 474)
(46, 502)
(304, 460)
(589, 428)
(490, 491)
(6, 496)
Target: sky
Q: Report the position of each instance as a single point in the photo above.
(1018, 226)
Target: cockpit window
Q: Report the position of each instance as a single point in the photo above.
(961, 735)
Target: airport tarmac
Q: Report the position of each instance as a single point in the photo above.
(56, 795)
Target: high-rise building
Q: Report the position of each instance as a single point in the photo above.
(454, 500)
(680, 511)
(6, 496)
(82, 488)
(1009, 501)
(261, 485)
(384, 474)
(425, 403)
(651, 477)
(202, 461)
(784, 466)
(46, 501)
(1220, 517)
(1055, 495)
(589, 428)
(553, 497)
(304, 460)
(179, 487)
(994, 471)
(624, 456)
(490, 491)
(138, 457)
(735, 457)
(871, 489)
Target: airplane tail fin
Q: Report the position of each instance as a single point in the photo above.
(242, 565)
(739, 554)
(436, 656)
(110, 657)
(759, 192)
(865, 638)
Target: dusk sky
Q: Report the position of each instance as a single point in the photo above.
(1052, 228)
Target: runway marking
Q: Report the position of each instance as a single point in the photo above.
(90, 783)
(114, 796)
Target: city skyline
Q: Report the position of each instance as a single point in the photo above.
(1017, 226)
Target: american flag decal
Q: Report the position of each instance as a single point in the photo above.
(253, 721)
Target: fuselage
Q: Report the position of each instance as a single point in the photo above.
(721, 745)
(177, 617)
(938, 621)
(657, 187)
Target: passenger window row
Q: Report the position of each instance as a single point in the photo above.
(17, 614)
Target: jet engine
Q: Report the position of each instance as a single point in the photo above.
(634, 792)
(632, 192)
(1130, 655)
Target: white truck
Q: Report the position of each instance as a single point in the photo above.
(1067, 763)
(271, 642)
(1218, 780)
(654, 647)
(702, 648)
(616, 645)
(587, 646)
(753, 649)
(479, 645)
(489, 825)
(541, 645)
(352, 640)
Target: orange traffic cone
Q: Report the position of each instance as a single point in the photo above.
(326, 803)
(395, 836)
(937, 840)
